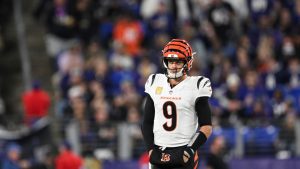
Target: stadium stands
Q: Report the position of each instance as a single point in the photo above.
(249, 49)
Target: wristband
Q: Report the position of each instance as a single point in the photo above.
(198, 139)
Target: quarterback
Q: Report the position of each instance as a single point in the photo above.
(177, 116)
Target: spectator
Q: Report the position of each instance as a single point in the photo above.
(46, 163)
(215, 68)
(77, 108)
(215, 158)
(272, 77)
(84, 15)
(122, 69)
(95, 91)
(264, 53)
(144, 161)
(285, 21)
(297, 12)
(220, 15)
(293, 73)
(251, 91)
(74, 78)
(119, 109)
(149, 7)
(13, 158)
(287, 138)
(106, 131)
(230, 99)
(70, 59)
(129, 93)
(242, 59)
(67, 159)
(36, 103)
(162, 21)
(61, 27)
(287, 49)
(222, 69)
(96, 69)
(129, 32)
(259, 8)
(144, 69)
(279, 103)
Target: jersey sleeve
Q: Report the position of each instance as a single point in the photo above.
(149, 83)
(204, 87)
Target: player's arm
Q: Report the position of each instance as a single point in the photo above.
(205, 128)
(147, 122)
(205, 125)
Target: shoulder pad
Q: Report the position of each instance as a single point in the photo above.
(204, 86)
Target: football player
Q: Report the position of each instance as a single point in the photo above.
(177, 116)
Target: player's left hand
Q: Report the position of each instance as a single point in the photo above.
(188, 153)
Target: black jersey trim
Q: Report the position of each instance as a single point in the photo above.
(199, 80)
(205, 83)
(153, 77)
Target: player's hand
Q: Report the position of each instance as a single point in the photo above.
(155, 156)
(188, 153)
(186, 157)
(173, 158)
(150, 152)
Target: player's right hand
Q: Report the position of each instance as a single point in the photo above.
(150, 152)
(155, 156)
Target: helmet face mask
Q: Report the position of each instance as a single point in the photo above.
(174, 73)
(177, 49)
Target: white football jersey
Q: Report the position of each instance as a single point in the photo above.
(175, 120)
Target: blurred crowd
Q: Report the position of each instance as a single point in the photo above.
(102, 52)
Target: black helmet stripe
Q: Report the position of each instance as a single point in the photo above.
(175, 50)
(176, 45)
(181, 41)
